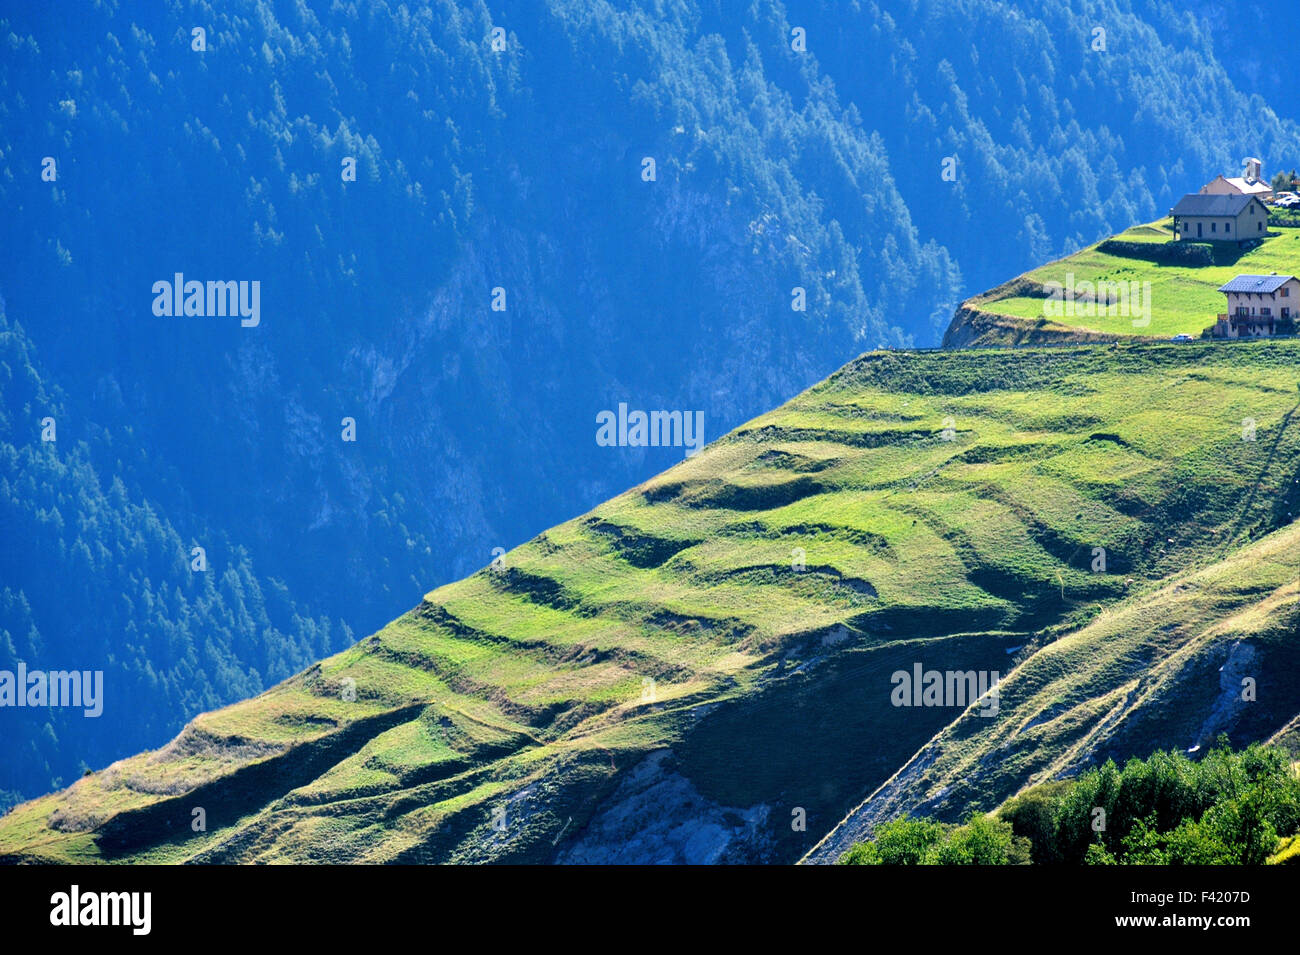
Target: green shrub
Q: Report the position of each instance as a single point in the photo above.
(901, 842)
(1166, 253)
(1032, 816)
(1228, 808)
(982, 841)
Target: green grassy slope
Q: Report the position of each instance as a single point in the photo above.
(946, 507)
(1184, 298)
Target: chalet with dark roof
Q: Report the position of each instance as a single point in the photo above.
(1201, 217)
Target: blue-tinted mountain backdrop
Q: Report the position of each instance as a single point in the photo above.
(557, 207)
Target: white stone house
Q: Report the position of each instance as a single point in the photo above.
(1256, 303)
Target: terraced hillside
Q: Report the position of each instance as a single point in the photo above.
(1183, 296)
(697, 667)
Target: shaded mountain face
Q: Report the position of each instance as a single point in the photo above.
(497, 169)
(707, 667)
(96, 582)
(1068, 122)
(1241, 37)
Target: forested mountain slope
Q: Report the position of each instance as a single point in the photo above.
(167, 638)
(795, 146)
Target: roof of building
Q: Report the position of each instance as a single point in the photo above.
(1249, 185)
(1201, 204)
(1256, 283)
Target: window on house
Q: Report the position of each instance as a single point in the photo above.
(1214, 227)
(1227, 227)
(1260, 225)
(1286, 292)
(1265, 310)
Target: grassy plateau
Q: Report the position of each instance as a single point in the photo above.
(1183, 298)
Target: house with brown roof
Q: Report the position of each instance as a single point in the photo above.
(1257, 304)
(1202, 217)
(1250, 183)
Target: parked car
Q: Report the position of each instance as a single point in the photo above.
(1182, 337)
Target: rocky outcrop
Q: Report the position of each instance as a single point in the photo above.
(656, 816)
(972, 327)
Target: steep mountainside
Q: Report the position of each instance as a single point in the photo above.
(1243, 37)
(1067, 121)
(211, 141)
(167, 638)
(1166, 669)
(700, 669)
